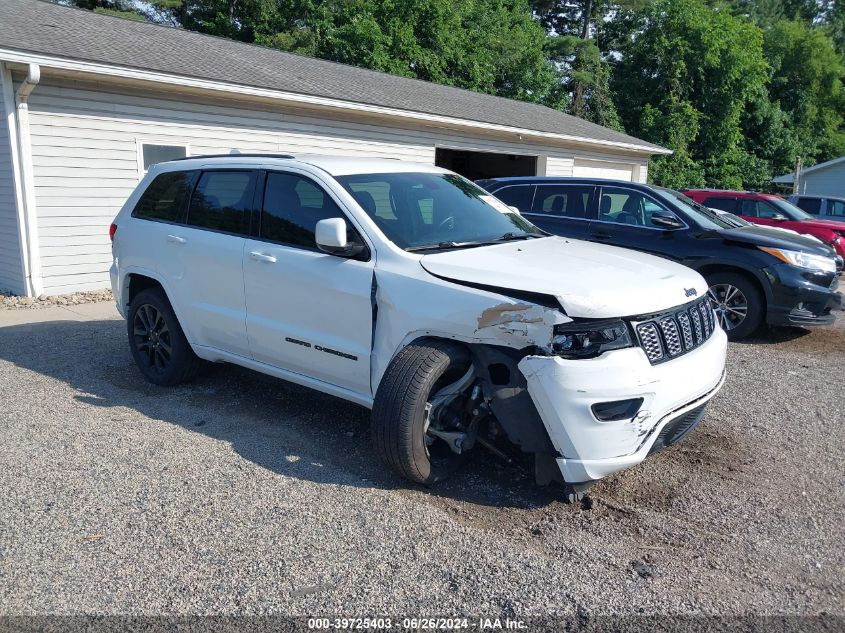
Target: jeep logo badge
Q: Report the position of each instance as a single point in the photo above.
(690, 292)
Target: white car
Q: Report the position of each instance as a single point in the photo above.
(410, 290)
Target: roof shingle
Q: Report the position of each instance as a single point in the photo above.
(34, 26)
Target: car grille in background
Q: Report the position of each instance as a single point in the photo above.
(667, 336)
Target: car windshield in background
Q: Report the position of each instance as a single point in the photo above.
(701, 215)
(791, 211)
(422, 211)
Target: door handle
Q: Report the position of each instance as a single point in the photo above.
(263, 257)
(176, 239)
(600, 235)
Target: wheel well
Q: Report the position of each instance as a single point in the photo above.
(137, 283)
(717, 268)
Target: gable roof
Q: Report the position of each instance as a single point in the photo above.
(46, 29)
(786, 179)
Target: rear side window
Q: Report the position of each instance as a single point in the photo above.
(810, 205)
(292, 207)
(519, 196)
(562, 200)
(166, 197)
(723, 204)
(222, 201)
(836, 207)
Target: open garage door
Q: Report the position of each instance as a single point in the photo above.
(602, 169)
(477, 165)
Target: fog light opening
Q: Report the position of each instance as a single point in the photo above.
(617, 409)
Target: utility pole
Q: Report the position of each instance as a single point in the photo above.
(796, 177)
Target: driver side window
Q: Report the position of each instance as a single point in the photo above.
(626, 206)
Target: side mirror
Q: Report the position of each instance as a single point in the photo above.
(666, 221)
(778, 217)
(330, 235)
(514, 209)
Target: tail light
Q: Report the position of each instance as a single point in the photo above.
(112, 231)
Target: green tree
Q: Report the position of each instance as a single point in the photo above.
(573, 27)
(765, 13)
(684, 78)
(806, 84)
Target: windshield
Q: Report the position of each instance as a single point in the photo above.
(705, 218)
(420, 211)
(790, 210)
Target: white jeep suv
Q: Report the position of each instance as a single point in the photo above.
(411, 291)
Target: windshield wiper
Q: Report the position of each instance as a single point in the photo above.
(507, 237)
(443, 246)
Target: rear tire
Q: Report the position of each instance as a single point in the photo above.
(156, 340)
(399, 410)
(731, 296)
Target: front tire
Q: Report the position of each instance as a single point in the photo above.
(401, 410)
(737, 302)
(156, 340)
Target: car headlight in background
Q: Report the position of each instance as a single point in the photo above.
(588, 340)
(802, 260)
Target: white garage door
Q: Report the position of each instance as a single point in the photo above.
(602, 169)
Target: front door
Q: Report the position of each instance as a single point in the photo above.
(307, 311)
(624, 219)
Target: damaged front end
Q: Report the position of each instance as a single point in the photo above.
(580, 395)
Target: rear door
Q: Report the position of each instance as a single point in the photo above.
(564, 209)
(624, 219)
(307, 311)
(519, 196)
(722, 203)
(202, 260)
(813, 206)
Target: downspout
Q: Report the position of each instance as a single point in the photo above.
(12, 132)
(34, 286)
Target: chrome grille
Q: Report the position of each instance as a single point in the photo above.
(650, 340)
(674, 333)
(671, 336)
(686, 330)
(696, 325)
(704, 309)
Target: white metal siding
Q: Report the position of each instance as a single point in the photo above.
(829, 181)
(604, 169)
(11, 269)
(559, 166)
(85, 140)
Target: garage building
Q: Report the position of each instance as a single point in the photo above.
(89, 102)
(824, 179)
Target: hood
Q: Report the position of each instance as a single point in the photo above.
(823, 223)
(589, 280)
(775, 237)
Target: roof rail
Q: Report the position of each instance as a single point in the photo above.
(236, 156)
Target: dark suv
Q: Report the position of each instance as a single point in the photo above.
(756, 274)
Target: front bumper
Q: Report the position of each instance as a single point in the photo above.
(800, 297)
(564, 391)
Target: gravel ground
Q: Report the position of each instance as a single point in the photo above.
(9, 301)
(240, 494)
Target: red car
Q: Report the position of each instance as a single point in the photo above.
(770, 210)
